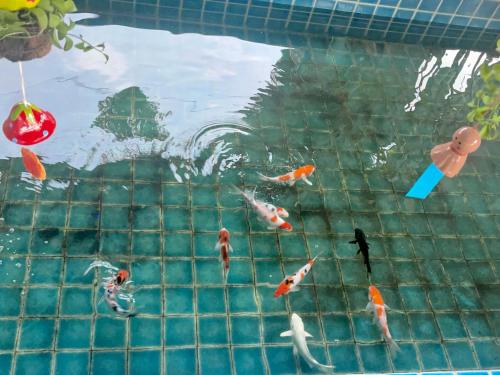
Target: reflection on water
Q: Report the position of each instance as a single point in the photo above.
(191, 98)
(159, 94)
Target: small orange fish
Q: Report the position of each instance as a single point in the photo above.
(291, 178)
(224, 247)
(378, 307)
(33, 164)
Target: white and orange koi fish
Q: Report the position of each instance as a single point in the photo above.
(377, 305)
(290, 283)
(115, 288)
(224, 248)
(291, 178)
(266, 212)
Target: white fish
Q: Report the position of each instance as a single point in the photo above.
(299, 335)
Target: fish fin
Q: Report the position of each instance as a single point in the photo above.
(355, 241)
(286, 333)
(307, 181)
(231, 248)
(295, 351)
(369, 306)
(307, 334)
(357, 252)
(271, 228)
(295, 288)
(217, 246)
(387, 307)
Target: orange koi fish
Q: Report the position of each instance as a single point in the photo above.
(291, 178)
(33, 164)
(290, 283)
(377, 305)
(224, 247)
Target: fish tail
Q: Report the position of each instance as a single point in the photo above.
(325, 368)
(249, 197)
(121, 311)
(368, 267)
(265, 178)
(393, 345)
(313, 363)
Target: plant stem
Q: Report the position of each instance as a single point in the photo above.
(79, 37)
(23, 89)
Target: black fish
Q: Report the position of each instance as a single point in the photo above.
(363, 247)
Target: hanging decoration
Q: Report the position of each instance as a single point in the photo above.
(28, 125)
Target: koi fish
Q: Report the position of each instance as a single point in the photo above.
(115, 287)
(224, 247)
(113, 291)
(290, 283)
(298, 335)
(363, 247)
(280, 211)
(268, 213)
(33, 164)
(377, 305)
(291, 178)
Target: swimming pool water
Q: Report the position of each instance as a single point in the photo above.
(140, 173)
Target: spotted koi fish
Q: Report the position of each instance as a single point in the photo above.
(291, 178)
(290, 283)
(266, 212)
(377, 306)
(115, 287)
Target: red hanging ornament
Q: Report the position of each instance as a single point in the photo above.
(28, 125)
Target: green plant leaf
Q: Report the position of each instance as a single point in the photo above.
(45, 5)
(68, 44)
(41, 18)
(54, 20)
(55, 39)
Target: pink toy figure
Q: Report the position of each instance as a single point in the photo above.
(450, 157)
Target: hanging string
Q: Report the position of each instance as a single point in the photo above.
(23, 90)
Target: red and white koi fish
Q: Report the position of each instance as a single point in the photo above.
(266, 212)
(224, 247)
(377, 305)
(115, 287)
(291, 178)
(290, 283)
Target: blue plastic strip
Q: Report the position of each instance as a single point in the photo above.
(424, 185)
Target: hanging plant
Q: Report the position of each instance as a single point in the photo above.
(485, 108)
(29, 28)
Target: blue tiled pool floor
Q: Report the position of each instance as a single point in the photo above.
(436, 262)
